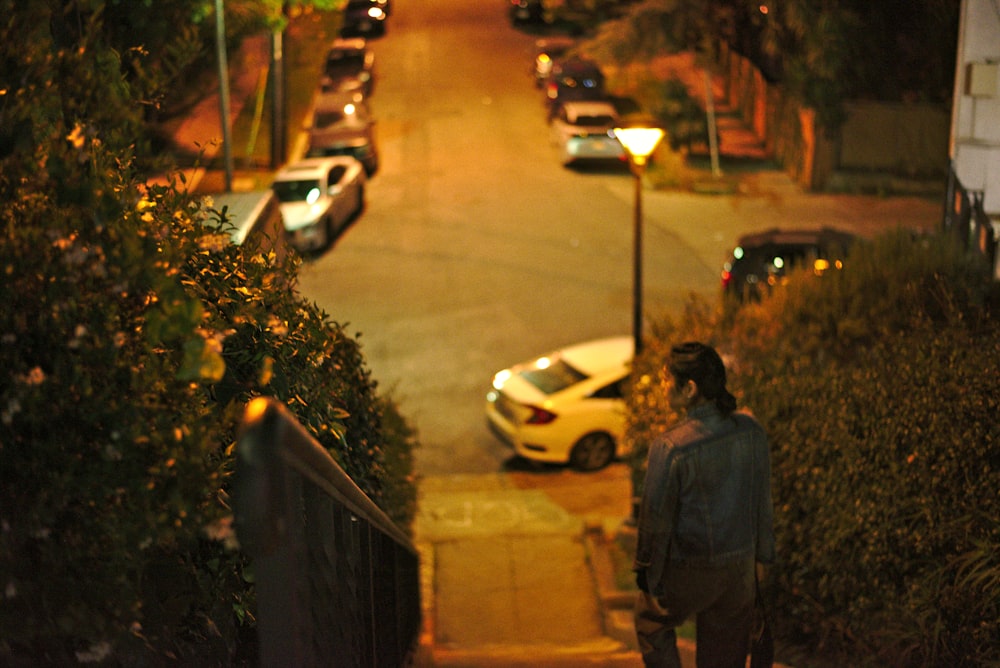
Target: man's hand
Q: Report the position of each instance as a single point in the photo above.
(640, 580)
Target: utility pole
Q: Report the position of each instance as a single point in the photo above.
(279, 133)
(220, 46)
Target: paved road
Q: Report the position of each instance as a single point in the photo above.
(477, 249)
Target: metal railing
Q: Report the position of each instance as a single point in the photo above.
(966, 218)
(337, 582)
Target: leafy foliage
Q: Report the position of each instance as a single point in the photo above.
(821, 53)
(132, 333)
(879, 390)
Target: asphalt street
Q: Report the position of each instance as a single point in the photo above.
(477, 249)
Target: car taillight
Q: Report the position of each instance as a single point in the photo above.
(539, 415)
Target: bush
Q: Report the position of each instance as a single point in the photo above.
(879, 390)
(886, 470)
(132, 335)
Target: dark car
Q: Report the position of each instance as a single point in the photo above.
(547, 51)
(364, 18)
(349, 66)
(574, 79)
(762, 260)
(343, 125)
(526, 11)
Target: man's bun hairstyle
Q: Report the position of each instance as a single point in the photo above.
(701, 363)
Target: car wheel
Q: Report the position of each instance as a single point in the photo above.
(592, 452)
(361, 202)
(329, 232)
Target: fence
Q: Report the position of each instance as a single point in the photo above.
(337, 582)
(966, 218)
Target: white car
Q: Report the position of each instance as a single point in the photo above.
(567, 406)
(318, 198)
(584, 130)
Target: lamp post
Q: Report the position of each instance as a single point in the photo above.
(639, 143)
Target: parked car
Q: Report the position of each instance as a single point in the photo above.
(364, 18)
(526, 11)
(251, 218)
(574, 79)
(584, 131)
(349, 66)
(318, 198)
(567, 406)
(547, 51)
(343, 125)
(760, 261)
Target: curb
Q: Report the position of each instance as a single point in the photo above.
(617, 604)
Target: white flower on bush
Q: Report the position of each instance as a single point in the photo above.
(78, 333)
(12, 409)
(95, 653)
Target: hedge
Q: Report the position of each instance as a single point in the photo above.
(132, 334)
(878, 386)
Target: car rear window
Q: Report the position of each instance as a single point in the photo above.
(591, 121)
(326, 118)
(341, 63)
(557, 376)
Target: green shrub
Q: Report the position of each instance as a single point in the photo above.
(878, 387)
(886, 470)
(132, 335)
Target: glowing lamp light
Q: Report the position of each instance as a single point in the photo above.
(640, 142)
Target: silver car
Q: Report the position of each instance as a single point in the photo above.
(583, 130)
(342, 124)
(318, 198)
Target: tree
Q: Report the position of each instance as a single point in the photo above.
(824, 52)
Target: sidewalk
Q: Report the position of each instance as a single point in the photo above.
(518, 571)
(511, 577)
(201, 130)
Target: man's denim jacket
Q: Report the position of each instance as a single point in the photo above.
(707, 495)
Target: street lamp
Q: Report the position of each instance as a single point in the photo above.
(639, 141)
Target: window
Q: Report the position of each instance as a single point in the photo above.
(610, 391)
(328, 117)
(595, 121)
(336, 174)
(297, 191)
(557, 376)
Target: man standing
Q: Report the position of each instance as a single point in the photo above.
(705, 522)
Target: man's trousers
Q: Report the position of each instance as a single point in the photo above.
(721, 600)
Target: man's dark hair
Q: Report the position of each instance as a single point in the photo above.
(702, 364)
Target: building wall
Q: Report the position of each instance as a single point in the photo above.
(975, 124)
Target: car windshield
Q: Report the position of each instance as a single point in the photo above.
(297, 191)
(552, 378)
